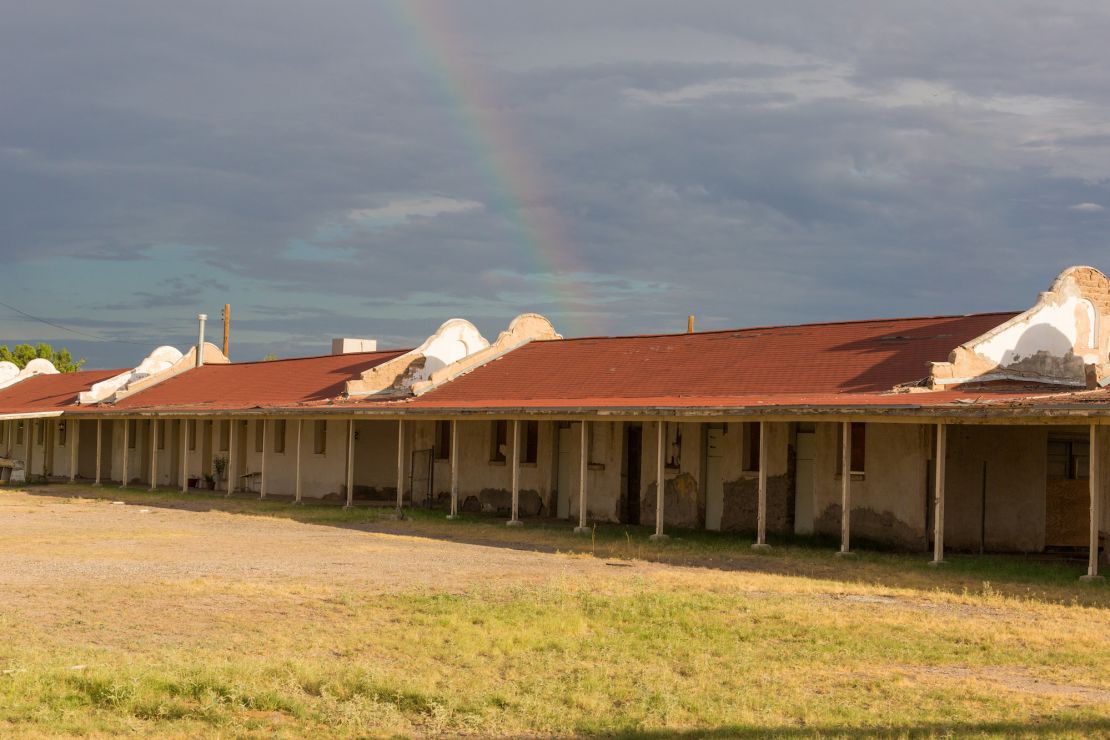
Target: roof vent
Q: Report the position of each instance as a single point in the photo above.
(346, 345)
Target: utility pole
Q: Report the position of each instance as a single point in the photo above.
(227, 327)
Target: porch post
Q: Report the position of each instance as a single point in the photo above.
(126, 447)
(229, 469)
(660, 479)
(153, 454)
(99, 423)
(400, 464)
(938, 503)
(761, 515)
(454, 469)
(184, 428)
(845, 486)
(515, 520)
(350, 463)
(262, 475)
(73, 437)
(1096, 494)
(297, 473)
(583, 470)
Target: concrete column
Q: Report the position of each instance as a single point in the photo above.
(761, 514)
(845, 486)
(454, 469)
(1096, 495)
(229, 469)
(183, 427)
(660, 479)
(126, 448)
(297, 473)
(350, 463)
(153, 454)
(99, 424)
(73, 437)
(583, 472)
(515, 458)
(938, 496)
(262, 476)
(400, 464)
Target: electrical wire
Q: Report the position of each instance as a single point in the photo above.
(56, 325)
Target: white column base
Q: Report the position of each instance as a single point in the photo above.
(515, 523)
(657, 537)
(581, 530)
(936, 563)
(761, 547)
(1092, 579)
(845, 554)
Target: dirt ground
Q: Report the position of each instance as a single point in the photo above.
(45, 539)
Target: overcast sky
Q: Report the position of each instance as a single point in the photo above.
(372, 169)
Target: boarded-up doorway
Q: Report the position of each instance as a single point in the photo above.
(630, 478)
(1067, 496)
(565, 472)
(714, 477)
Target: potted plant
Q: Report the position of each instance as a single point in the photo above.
(219, 465)
(209, 482)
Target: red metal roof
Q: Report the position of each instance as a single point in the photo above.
(246, 385)
(814, 361)
(48, 393)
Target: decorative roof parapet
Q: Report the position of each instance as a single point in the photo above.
(1053, 342)
(10, 374)
(525, 328)
(163, 363)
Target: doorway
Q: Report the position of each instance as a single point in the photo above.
(565, 472)
(631, 465)
(714, 480)
(806, 460)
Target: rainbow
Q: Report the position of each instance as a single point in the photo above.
(516, 187)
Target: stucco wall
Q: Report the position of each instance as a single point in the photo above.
(1016, 465)
(888, 501)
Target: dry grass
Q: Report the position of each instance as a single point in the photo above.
(212, 617)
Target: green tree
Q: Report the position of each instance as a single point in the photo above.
(24, 353)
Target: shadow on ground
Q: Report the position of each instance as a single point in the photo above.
(1050, 580)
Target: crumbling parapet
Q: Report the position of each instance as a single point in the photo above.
(1053, 342)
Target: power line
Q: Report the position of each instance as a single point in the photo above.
(71, 329)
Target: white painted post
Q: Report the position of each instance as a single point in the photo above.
(400, 464)
(660, 479)
(73, 437)
(350, 463)
(761, 514)
(845, 486)
(1096, 494)
(183, 428)
(126, 448)
(262, 476)
(229, 469)
(99, 423)
(515, 520)
(454, 469)
(938, 496)
(297, 497)
(153, 454)
(583, 473)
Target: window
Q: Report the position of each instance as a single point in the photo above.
(279, 436)
(320, 437)
(225, 435)
(161, 434)
(859, 448)
(192, 436)
(259, 434)
(530, 442)
(498, 433)
(751, 446)
(63, 429)
(1069, 459)
(672, 446)
(443, 440)
(132, 433)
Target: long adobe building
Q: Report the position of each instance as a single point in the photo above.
(976, 433)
